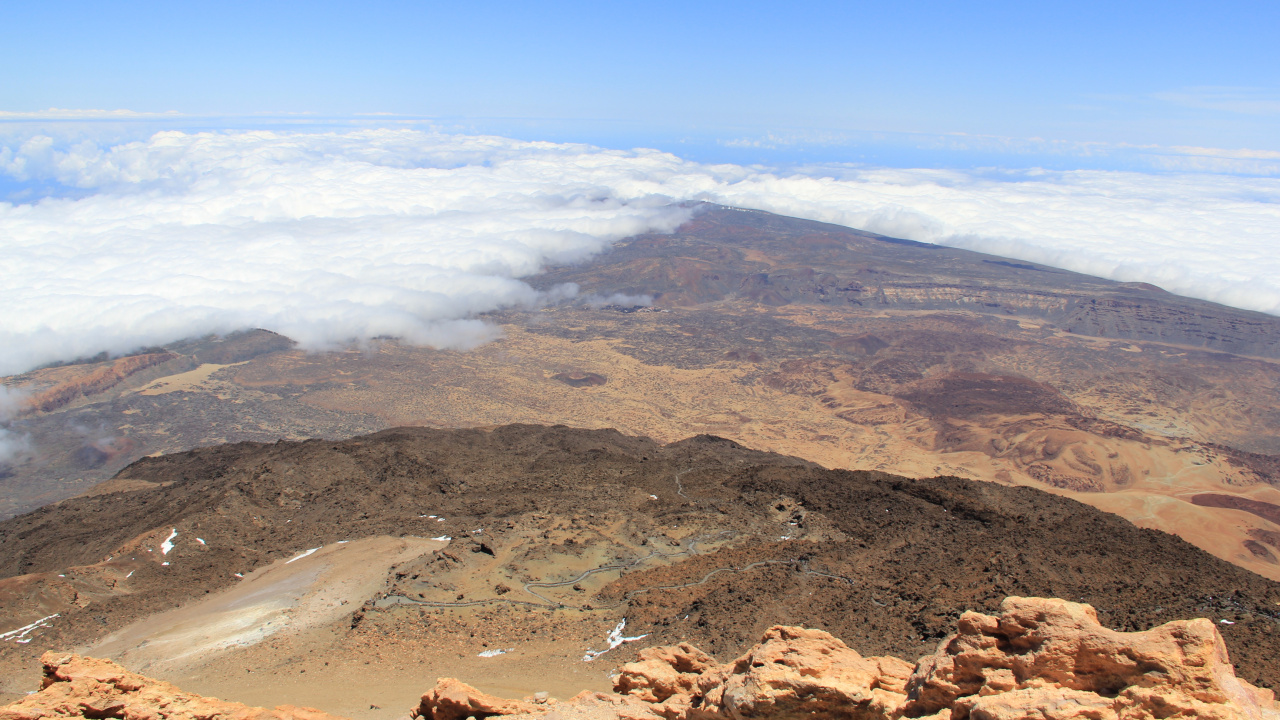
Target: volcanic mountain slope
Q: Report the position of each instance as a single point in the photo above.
(555, 537)
(851, 349)
(735, 253)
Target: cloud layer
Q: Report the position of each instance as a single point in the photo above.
(322, 237)
(12, 445)
(329, 237)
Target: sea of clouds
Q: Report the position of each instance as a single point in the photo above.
(333, 237)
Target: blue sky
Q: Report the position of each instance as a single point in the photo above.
(341, 172)
(907, 83)
(345, 172)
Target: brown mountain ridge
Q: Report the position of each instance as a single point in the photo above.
(548, 537)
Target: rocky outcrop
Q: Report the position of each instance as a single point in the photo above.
(81, 687)
(95, 381)
(451, 699)
(663, 672)
(1051, 658)
(1042, 659)
(792, 673)
(1039, 658)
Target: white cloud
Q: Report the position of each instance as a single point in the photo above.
(1238, 100)
(328, 237)
(66, 114)
(12, 400)
(620, 299)
(1094, 154)
(12, 445)
(323, 237)
(1207, 236)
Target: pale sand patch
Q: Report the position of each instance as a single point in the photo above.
(121, 484)
(190, 380)
(289, 595)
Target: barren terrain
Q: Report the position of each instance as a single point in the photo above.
(852, 350)
(226, 569)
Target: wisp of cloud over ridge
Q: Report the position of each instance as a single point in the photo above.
(337, 237)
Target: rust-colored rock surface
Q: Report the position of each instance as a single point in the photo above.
(96, 381)
(1042, 659)
(795, 672)
(792, 673)
(1051, 658)
(82, 687)
(451, 699)
(1039, 658)
(664, 671)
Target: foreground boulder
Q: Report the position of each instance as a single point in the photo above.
(792, 673)
(81, 687)
(1039, 658)
(452, 699)
(1051, 658)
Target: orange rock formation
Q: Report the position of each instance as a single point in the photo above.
(97, 380)
(1045, 659)
(452, 699)
(81, 687)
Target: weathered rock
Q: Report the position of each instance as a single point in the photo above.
(1049, 658)
(663, 671)
(81, 687)
(1046, 659)
(1038, 659)
(792, 673)
(588, 705)
(452, 699)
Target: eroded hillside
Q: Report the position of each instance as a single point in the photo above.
(538, 558)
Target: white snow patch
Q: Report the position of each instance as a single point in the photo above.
(126, 577)
(201, 541)
(615, 639)
(167, 545)
(239, 575)
(301, 555)
(653, 497)
(20, 635)
(165, 563)
(442, 538)
(1226, 622)
(495, 652)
